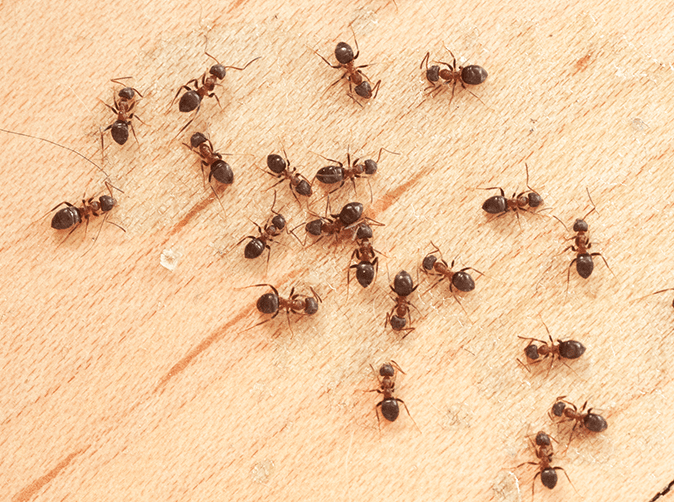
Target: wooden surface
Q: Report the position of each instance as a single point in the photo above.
(122, 380)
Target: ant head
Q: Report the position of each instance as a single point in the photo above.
(268, 303)
(218, 71)
(107, 203)
(311, 306)
(429, 262)
(197, 139)
(364, 231)
(314, 227)
(398, 323)
(558, 408)
(580, 226)
(433, 73)
(542, 439)
(535, 200)
(279, 221)
(370, 167)
(127, 93)
(387, 370)
(276, 163)
(531, 351)
(344, 53)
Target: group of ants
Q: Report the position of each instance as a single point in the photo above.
(351, 219)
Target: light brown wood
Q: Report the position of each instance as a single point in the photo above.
(122, 380)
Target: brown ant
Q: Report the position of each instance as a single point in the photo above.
(368, 261)
(471, 75)
(71, 216)
(460, 279)
(499, 204)
(569, 349)
(346, 62)
(273, 303)
(347, 218)
(389, 404)
(331, 175)
(218, 168)
(125, 103)
(192, 98)
(568, 411)
(272, 228)
(581, 246)
(544, 452)
(403, 286)
(280, 168)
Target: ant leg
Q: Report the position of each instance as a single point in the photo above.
(376, 89)
(327, 62)
(605, 262)
(425, 60)
(408, 411)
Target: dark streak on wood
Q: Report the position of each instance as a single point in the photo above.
(663, 492)
(29, 491)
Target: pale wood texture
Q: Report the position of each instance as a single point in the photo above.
(122, 380)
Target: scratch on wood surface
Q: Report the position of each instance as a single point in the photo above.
(30, 490)
(393, 195)
(202, 346)
(196, 209)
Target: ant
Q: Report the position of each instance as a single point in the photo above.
(499, 204)
(192, 98)
(368, 262)
(544, 452)
(280, 168)
(331, 175)
(569, 349)
(471, 75)
(272, 303)
(346, 61)
(272, 229)
(460, 280)
(581, 246)
(125, 102)
(347, 217)
(71, 216)
(591, 421)
(389, 404)
(403, 286)
(219, 169)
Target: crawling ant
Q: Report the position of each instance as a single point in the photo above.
(125, 102)
(218, 168)
(368, 262)
(389, 404)
(569, 349)
(273, 303)
(568, 411)
(350, 214)
(331, 175)
(192, 98)
(346, 61)
(460, 280)
(403, 286)
(499, 204)
(272, 228)
(581, 246)
(280, 168)
(71, 216)
(544, 453)
(471, 75)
